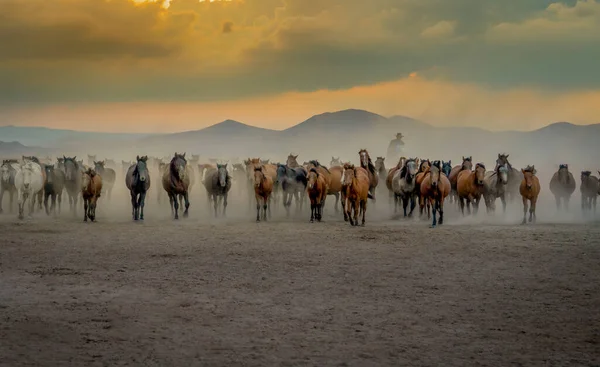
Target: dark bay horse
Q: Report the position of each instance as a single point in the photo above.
(137, 180)
(317, 192)
(218, 183)
(589, 191)
(562, 186)
(109, 176)
(53, 188)
(90, 191)
(529, 190)
(366, 163)
(434, 189)
(176, 182)
(73, 172)
(293, 183)
(7, 181)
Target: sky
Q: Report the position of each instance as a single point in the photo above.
(176, 65)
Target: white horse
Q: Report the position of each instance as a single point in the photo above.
(29, 181)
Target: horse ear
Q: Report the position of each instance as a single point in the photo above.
(499, 155)
(75, 158)
(183, 155)
(137, 157)
(507, 155)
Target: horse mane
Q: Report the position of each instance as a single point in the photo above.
(530, 169)
(90, 172)
(316, 163)
(480, 165)
(9, 161)
(563, 166)
(314, 170)
(586, 173)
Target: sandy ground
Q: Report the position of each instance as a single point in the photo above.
(227, 292)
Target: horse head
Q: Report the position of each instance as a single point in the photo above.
(292, 160)
(502, 172)
(49, 169)
(258, 175)
(141, 168)
(71, 167)
(479, 174)
(335, 161)
(364, 158)
(99, 166)
(435, 170)
(222, 172)
(585, 175)
(348, 175)
(6, 169)
(313, 176)
(380, 164)
(178, 165)
(411, 169)
(528, 173)
(447, 167)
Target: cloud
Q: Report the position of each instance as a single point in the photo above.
(82, 51)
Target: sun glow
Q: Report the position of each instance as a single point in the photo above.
(165, 3)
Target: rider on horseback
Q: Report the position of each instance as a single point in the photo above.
(394, 151)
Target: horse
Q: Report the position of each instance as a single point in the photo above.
(91, 160)
(447, 168)
(292, 161)
(589, 191)
(356, 186)
(137, 180)
(268, 169)
(125, 165)
(390, 175)
(466, 165)
(90, 191)
(176, 182)
(162, 168)
(562, 186)
(515, 177)
(29, 181)
(335, 162)
(495, 187)
(529, 190)
(366, 163)
(263, 188)
(317, 193)
(434, 189)
(7, 181)
(293, 183)
(73, 172)
(36, 161)
(218, 183)
(470, 188)
(53, 188)
(108, 176)
(403, 184)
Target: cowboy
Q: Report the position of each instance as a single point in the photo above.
(394, 150)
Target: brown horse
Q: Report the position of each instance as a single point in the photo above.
(91, 189)
(466, 165)
(292, 161)
(470, 187)
(435, 188)
(530, 190)
(356, 186)
(263, 188)
(335, 187)
(367, 164)
(317, 192)
(176, 182)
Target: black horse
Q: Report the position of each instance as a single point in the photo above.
(53, 188)
(137, 180)
(293, 183)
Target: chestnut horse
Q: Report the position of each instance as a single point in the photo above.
(467, 164)
(435, 188)
(470, 187)
(356, 186)
(367, 164)
(317, 192)
(530, 190)
(263, 188)
(91, 190)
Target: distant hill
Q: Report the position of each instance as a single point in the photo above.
(15, 149)
(337, 122)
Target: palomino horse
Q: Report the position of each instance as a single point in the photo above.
(562, 186)
(366, 163)
(404, 184)
(589, 191)
(470, 188)
(176, 182)
(435, 188)
(530, 190)
(7, 181)
(293, 183)
(137, 180)
(73, 171)
(292, 161)
(467, 165)
(356, 185)
(53, 188)
(29, 181)
(263, 188)
(218, 183)
(90, 191)
(108, 175)
(515, 177)
(317, 192)
(495, 187)
(40, 194)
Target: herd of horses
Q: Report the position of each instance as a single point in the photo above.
(410, 182)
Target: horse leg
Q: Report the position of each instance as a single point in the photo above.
(524, 210)
(85, 210)
(363, 207)
(257, 207)
(186, 199)
(435, 209)
(267, 206)
(412, 205)
(20, 200)
(337, 202)
(134, 211)
(2, 196)
(46, 197)
(441, 210)
(566, 203)
(312, 210)
(532, 217)
(40, 197)
(225, 204)
(53, 207)
(176, 205)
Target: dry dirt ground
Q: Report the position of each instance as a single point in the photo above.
(286, 293)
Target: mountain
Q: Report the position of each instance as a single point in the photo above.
(337, 122)
(16, 150)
